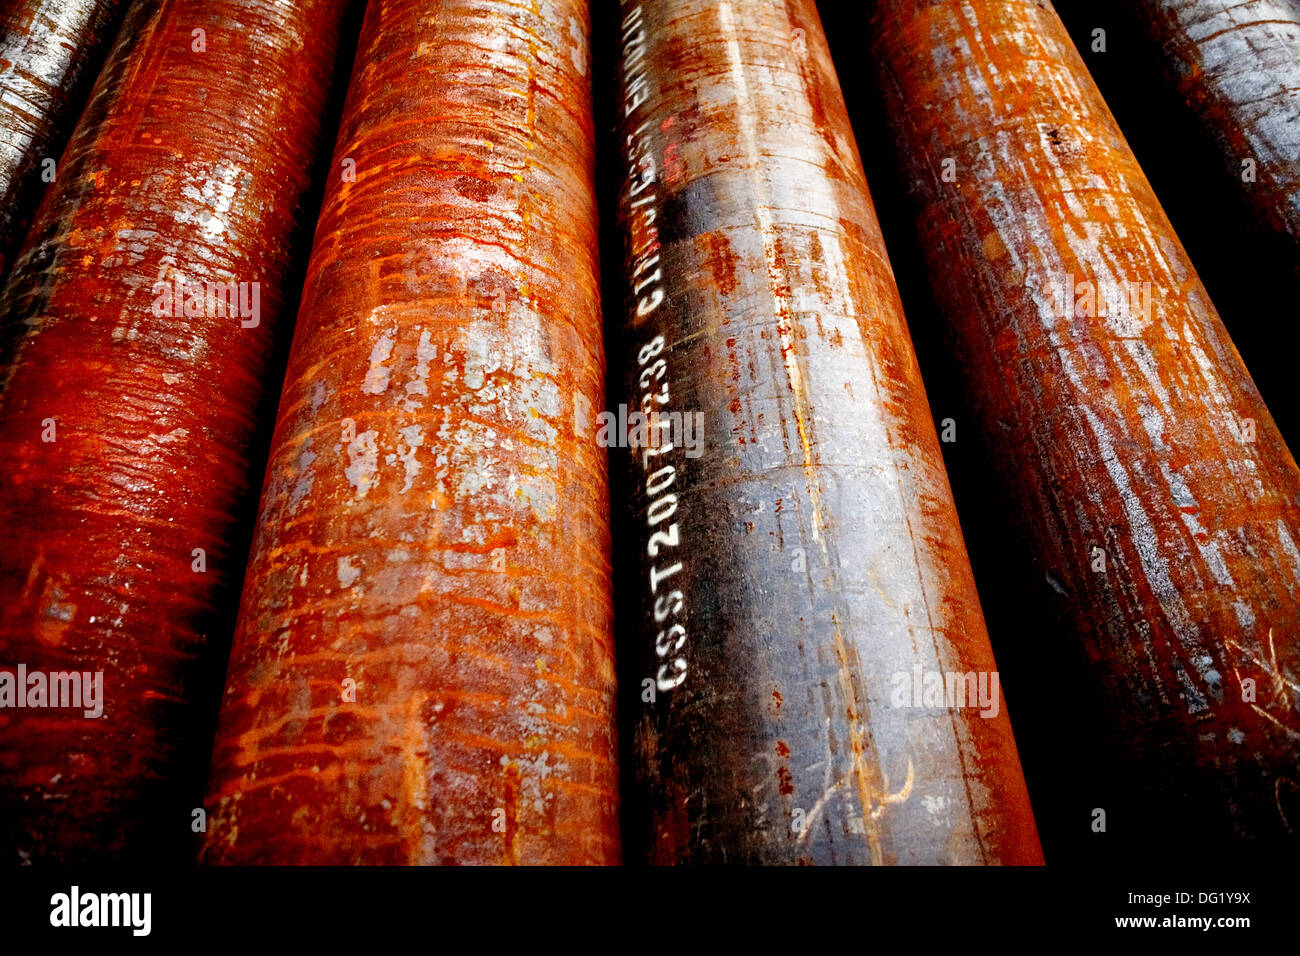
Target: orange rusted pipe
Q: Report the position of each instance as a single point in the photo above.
(128, 415)
(797, 584)
(423, 666)
(1153, 507)
(49, 53)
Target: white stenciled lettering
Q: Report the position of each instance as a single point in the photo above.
(654, 419)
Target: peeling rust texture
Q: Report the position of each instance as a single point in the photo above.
(49, 52)
(798, 572)
(180, 167)
(1237, 66)
(423, 669)
(1143, 471)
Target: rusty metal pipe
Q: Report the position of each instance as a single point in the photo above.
(796, 577)
(50, 51)
(423, 666)
(127, 413)
(1154, 507)
(1236, 65)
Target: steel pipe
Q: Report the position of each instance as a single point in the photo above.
(423, 666)
(145, 301)
(50, 51)
(1152, 506)
(803, 618)
(1237, 67)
